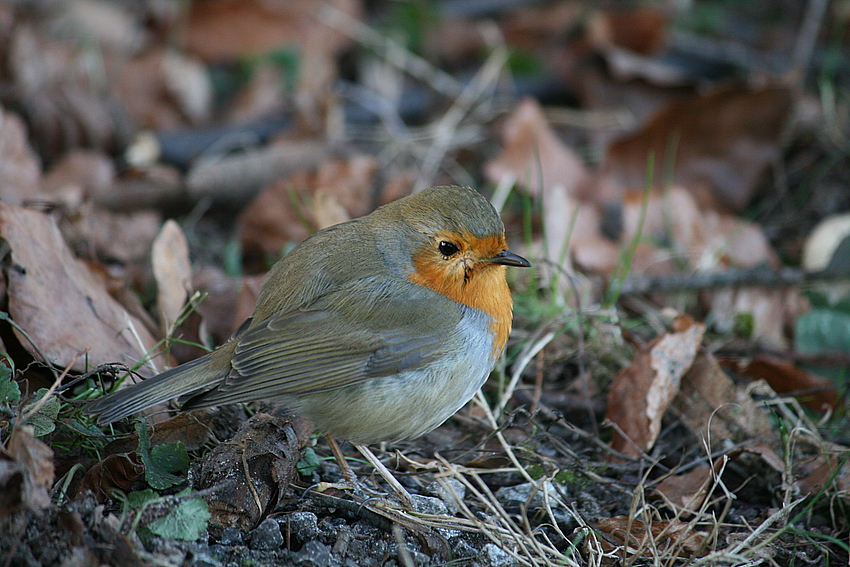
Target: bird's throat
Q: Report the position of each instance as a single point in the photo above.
(483, 288)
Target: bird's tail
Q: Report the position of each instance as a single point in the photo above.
(197, 375)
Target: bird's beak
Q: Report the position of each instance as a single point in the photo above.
(508, 258)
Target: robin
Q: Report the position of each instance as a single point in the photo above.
(377, 329)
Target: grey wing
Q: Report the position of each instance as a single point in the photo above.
(368, 329)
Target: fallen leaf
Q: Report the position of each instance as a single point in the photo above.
(57, 301)
(668, 536)
(267, 448)
(290, 210)
(828, 471)
(534, 158)
(79, 175)
(723, 141)
(26, 472)
(229, 31)
(144, 91)
(115, 472)
(173, 273)
(639, 30)
(686, 491)
(715, 409)
(64, 107)
(20, 168)
(768, 312)
(532, 155)
(641, 393)
(785, 377)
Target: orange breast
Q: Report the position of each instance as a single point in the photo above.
(485, 289)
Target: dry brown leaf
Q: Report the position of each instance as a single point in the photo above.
(60, 304)
(26, 472)
(172, 271)
(770, 311)
(115, 472)
(98, 234)
(268, 448)
(587, 247)
(690, 489)
(714, 408)
(687, 490)
(785, 377)
(20, 168)
(145, 93)
(641, 393)
(288, 211)
(830, 471)
(78, 175)
(65, 108)
(229, 31)
(724, 142)
(640, 30)
(668, 536)
(533, 156)
(192, 428)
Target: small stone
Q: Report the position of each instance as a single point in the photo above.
(203, 560)
(231, 536)
(266, 536)
(420, 559)
(491, 555)
(520, 493)
(314, 554)
(429, 505)
(304, 526)
(437, 489)
(463, 550)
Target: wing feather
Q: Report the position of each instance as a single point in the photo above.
(335, 342)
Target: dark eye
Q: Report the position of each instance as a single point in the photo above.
(447, 249)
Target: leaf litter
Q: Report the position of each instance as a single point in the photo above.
(629, 432)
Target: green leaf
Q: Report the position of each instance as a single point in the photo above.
(172, 458)
(160, 463)
(308, 463)
(187, 521)
(9, 390)
(139, 498)
(44, 420)
(823, 330)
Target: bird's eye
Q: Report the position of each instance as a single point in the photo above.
(447, 248)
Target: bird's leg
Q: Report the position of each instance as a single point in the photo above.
(400, 491)
(346, 471)
(351, 481)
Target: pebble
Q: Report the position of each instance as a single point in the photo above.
(462, 549)
(314, 554)
(429, 505)
(438, 490)
(304, 526)
(231, 536)
(266, 536)
(203, 560)
(491, 555)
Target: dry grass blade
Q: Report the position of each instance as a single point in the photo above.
(514, 536)
(480, 88)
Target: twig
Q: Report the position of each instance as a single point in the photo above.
(445, 127)
(37, 405)
(802, 55)
(750, 277)
(527, 355)
(394, 52)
